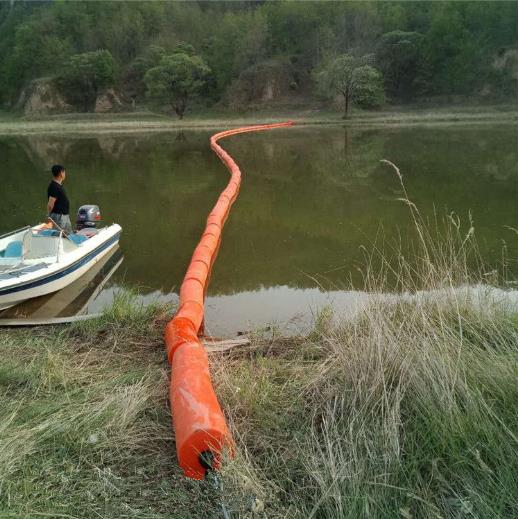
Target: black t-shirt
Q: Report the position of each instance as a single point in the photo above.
(61, 205)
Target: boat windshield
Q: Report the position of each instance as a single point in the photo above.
(35, 243)
(46, 244)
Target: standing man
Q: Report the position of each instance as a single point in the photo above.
(58, 206)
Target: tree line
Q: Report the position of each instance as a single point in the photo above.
(168, 52)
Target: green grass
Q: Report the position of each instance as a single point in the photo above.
(147, 121)
(85, 429)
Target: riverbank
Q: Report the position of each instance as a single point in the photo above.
(151, 122)
(85, 429)
(406, 410)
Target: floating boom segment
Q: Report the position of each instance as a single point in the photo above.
(201, 430)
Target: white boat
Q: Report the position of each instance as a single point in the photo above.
(35, 261)
(73, 300)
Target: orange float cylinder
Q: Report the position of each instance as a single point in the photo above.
(199, 423)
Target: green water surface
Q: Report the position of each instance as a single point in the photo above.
(311, 199)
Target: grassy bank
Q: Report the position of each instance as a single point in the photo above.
(406, 410)
(149, 122)
(85, 429)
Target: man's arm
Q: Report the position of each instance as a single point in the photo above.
(50, 204)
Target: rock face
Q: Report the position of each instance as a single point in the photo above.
(108, 101)
(262, 83)
(507, 59)
(41, 97)
(505, 63)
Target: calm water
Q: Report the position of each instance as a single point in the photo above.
(310, 199)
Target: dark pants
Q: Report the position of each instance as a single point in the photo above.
(63, 220)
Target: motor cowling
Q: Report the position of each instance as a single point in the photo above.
(88, 216)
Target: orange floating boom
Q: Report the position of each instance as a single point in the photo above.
(201, 430)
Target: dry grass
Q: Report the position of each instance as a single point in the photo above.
(85, 429)
(407, 410)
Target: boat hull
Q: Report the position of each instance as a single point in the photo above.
(58, 276)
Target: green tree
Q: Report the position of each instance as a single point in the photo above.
(178, 78)
(354, 79)
(133, 78)
(85, 75)
(224, 48)
(457, 57)
(37, 50)
(398, 58)
(368, 87)
(459, 47)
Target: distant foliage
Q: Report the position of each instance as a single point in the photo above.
(368, 87)
(177, 78)
(134, 84)
(354, 79)
(85, 75)
(399, 56)
(423, 49)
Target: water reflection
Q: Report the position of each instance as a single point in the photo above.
(310, 199)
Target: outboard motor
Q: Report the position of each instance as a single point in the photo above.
(88, 216)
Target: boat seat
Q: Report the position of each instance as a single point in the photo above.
(77, 238)
(47, 232)
(88, 232)
(14, 250)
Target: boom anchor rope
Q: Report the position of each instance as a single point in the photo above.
(219, 487)
(201, 430)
